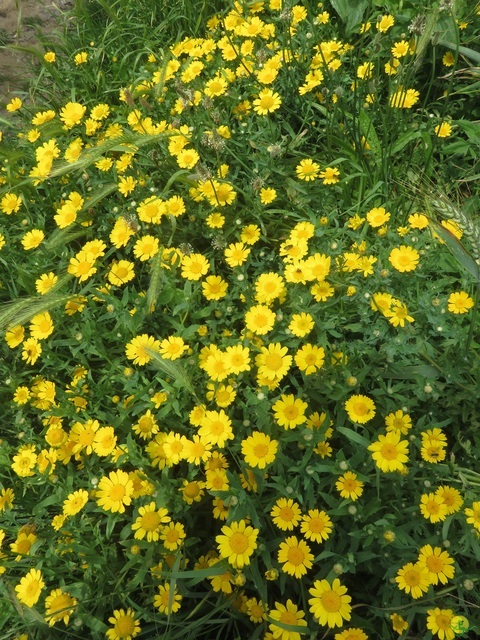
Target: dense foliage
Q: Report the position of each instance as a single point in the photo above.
(240, 357)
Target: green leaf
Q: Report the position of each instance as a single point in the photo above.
(155, 284)
(411, 372)
(402, 142)
(457, 249)
(368, 130)
(350, 12)
(465, 51)
(353, 436)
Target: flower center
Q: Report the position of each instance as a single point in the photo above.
(412, 578)
(273, 361)
(286, 514)
(288, 617)
(117, 492)
(238, 542)
(435, 564)
(291, 412)
(260, 450)
(389, 452)
(150, 521)
(125, 627)
(296, 556)
(316, 525)
(331, 601)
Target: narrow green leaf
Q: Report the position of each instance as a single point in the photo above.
(402, 142)
(411, 372)
(457, 249)
(155, 284)
(353, 436)
(465, 51)
(368, 130)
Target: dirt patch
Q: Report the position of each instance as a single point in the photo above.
(20, 22)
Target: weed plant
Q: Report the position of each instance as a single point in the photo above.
(240, 358)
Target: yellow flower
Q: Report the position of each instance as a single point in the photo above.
(166, 601)
(59, 606)
(330, 604)
(172, 535)
(30, 587)
(473, 515)
(267, 195)
(286, 514)
(187, 158)
(260, 319)
(438, 562)
(295, 556)
(432, 507)
(267, 102)
(349, 486)
(14, 105)
(126, 185)
(81, 58)
(50, 57)
(237, 543)
(236, 254)
(400, 49)
(149, 522)
(287, 614)
(448, 59)
(216, 87)
(172, 348)
(398, 421)
(114, 492)
(384, 23)
(250, 234)
(216, 428)
(10, 203)
(377, 216)
(268, 287)
(121, 272)
(439, 621)
(331, 175)
(360, 408)
(72, 113)
(413, 579)
(259, 449)
(418, 221)
(398, 315)
(399, 624)
(310, 358)
(75, 502)
(31, 350)
(194, 266)
(45, 282)
(316, 525)
(389, 452)
(289, 411)
(301, 324)
(404, 258)
(451, 497)
(459, 302)
(32, 239)
(351, 634)
(404, 98)
(307, 169)
(443, 130)
(125, 627)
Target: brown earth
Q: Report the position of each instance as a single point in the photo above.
(20, 21)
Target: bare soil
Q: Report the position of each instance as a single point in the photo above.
(20, 22)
